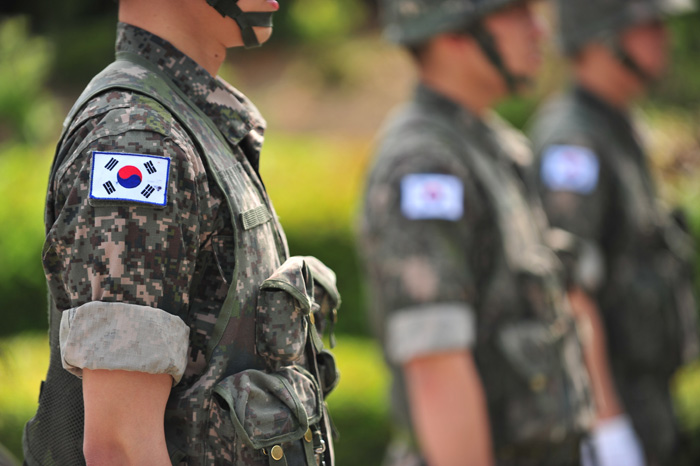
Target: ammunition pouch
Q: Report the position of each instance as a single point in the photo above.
(276, 414)
(541, 408)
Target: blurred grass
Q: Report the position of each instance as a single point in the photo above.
(358, 404)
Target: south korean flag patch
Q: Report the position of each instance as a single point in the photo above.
(426, 196)
(570, 168)
(120, 177)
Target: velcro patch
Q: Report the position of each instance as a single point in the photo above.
(130, 178)
(432, 196)
(570, 168)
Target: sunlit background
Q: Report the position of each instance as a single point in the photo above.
(324, 84)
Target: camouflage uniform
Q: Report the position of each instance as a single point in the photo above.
(595, 183)
(479, 277)
(199, 286)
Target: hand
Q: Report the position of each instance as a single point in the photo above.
(613, 443)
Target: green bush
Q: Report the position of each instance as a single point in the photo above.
(27, 110)
(25, 173)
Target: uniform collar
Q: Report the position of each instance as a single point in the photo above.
(461, 118)
(613, 115)
(233, 114)
(445, 107)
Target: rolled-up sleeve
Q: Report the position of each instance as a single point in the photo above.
(122, 271)
(117, 336)
(429, 329)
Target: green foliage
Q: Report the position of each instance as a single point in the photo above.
(23, 186)
(23, 363)
(322, 20)
(681, 87)
(27, 111)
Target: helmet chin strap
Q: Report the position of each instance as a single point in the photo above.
(628, 62)
(488, 45)
(245, 20)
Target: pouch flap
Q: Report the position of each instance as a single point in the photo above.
(293, 277)
(324, 277)
(268, 409)
(531, 347)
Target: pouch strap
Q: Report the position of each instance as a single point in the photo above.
(276, 456)
(309, 448)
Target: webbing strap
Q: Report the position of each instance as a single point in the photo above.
(629, 62)
(245, 20)
(488, 45)
(255, 216)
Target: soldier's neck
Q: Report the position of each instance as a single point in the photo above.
(478, 100)
(616, 87)
(202, 48)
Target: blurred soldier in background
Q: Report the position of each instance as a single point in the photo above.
(594, 179)
(180, 330)
(484, 346)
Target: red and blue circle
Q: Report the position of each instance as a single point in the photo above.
(129, 176)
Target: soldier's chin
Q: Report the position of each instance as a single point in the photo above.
(263, 33)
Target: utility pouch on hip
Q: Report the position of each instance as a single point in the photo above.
(542, 400)
(275, 414)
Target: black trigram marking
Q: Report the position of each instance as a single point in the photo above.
(111, 164)
(150, 167)
(147, 191)
(109, 187)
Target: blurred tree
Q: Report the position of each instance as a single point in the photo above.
(27, 110)
(681, 87)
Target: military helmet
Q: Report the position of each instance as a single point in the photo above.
(582, 22)
(411, 22)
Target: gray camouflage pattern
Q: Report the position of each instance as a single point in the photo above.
(493, 261)
(194, 260)
(646, 301)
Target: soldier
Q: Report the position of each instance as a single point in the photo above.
(193, 336)
(467, 298)
(594, 179)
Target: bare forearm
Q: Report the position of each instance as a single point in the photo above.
(449, 410)
(595, 354)
(124, 418)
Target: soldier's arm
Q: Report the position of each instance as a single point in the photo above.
(120, 272)
(421, 256)
(124, 418)
(576, 191)
(449, 409)
(590, 328)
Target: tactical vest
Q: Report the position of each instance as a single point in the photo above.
(527, 351)
(259, 397)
